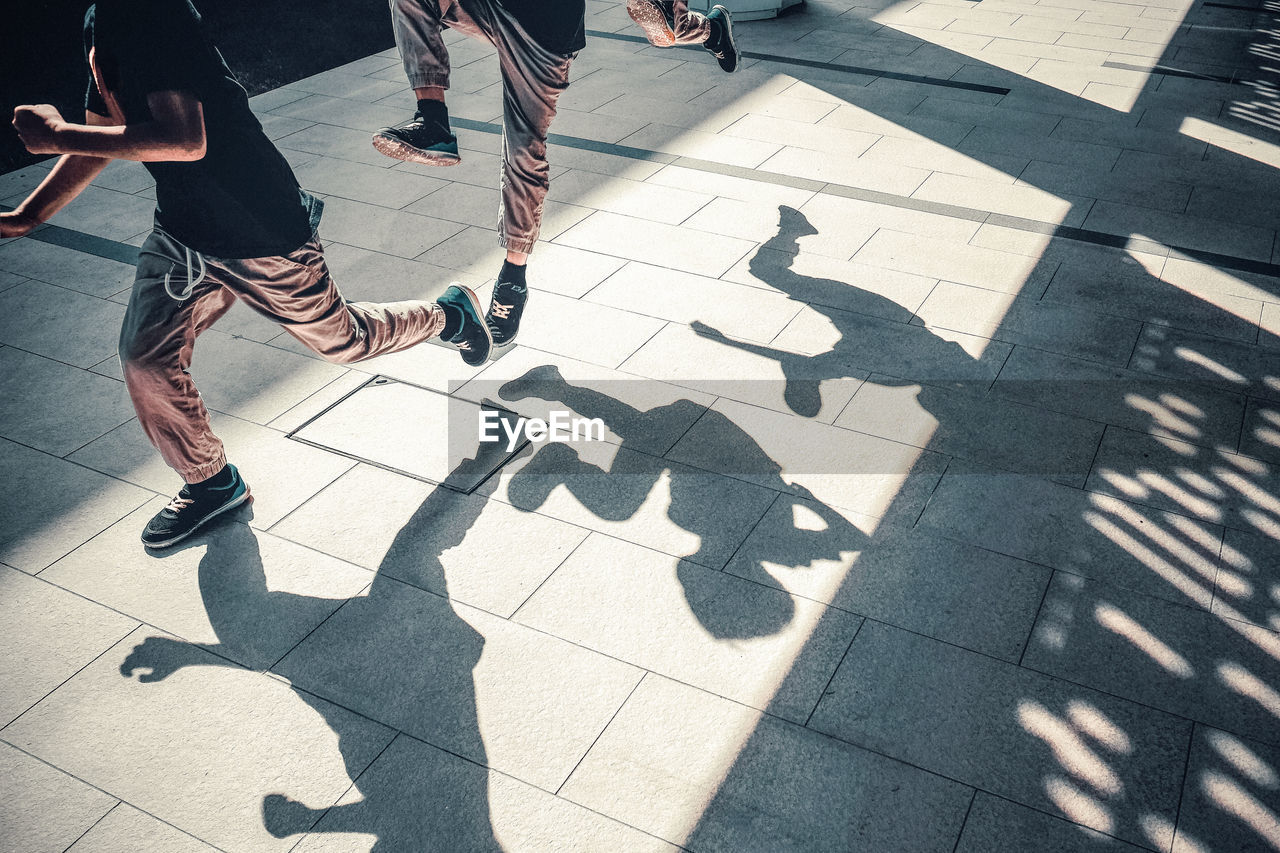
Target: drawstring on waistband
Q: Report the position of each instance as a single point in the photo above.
(191, 285)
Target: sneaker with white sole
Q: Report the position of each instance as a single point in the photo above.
(505, 309)
(472, 337)
(720, 43)
(192, 508)
(419, 141)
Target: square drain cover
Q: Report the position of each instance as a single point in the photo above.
(414, 431)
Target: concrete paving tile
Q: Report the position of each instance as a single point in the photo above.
(992, 168)
(694, 115)
(830, 214)
(1100, 761)
(62, 506)
(246, 595)
(746, 313)
(1260, 435)
(124, 176)
(1199, 414)
(865, 174)
(65, 267)
(583, 330)
(353, 115)
(58, 323)
(1229, 800)
(601, 128)
(1247, 577)
(369, 276)
(986, 268)
(705, 361)
(358, 182)
(473, 251)
(47, 634)
(981, 194)
(42, 809)
(973, 425)
(718, 148)
(23, 181)
(277, 127)
(796, 456)
(339, 83)
(1096, 536)
(418, 797)
(530, 706)
(665, 505)
(36, 391)
(9, 280)
(253, 381)
(1230, 365)
(217, 739)
(827, 137)
(334, 142)
(644, 414)
(267, 101)
(604, 163)
(1130, 285)
(1178, 659)
(466, 204)
(1065, 181)
(922, 583)
(393, 232)
(1181, 230)
(128, 830)
(570, 272)
(995, 825)
(451, 544)
(282, 473)
(655, 243)
(671, 744)
(749, 643)
(627, 197)
(1037, 146)
(820, 280)
(1041, 325)
(760, 224)
(1209, 282)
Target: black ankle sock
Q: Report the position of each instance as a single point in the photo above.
(219, 480)
(452, 321)
(435, 111)
(512, 273)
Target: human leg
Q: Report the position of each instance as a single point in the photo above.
(666, 23)
(425, 138)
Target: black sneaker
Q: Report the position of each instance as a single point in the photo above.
(720, 43)
(194, 506)
(505, 308)
(419, 141)
(472, 338)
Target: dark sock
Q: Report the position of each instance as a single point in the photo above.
(219, 480)
(452, 321)
(512, 273)
(435, 111)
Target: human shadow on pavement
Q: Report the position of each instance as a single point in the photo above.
(404, 660)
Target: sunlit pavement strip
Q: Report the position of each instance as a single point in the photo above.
(937, 353)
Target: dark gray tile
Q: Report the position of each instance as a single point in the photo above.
(1231, 797)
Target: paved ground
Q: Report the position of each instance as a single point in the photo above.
(939, 351)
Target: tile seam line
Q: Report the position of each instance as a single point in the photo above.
(124, 253)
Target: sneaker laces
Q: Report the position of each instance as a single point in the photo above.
(179, 503)
(466, 345)
(191, 285)
(502, 312)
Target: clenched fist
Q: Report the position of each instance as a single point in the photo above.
(38, 127)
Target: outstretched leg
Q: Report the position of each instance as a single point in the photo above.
(667, 23)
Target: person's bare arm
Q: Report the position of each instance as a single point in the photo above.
(70, 175)
(175, 132)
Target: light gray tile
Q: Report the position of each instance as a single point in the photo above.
(359, 182)
(128, 830)
(980, 193)
(106, 213)
(215, 741)
(867, 174)
(1181, 660)
(342, 112)
(66, 267)
(655, 243)
(47, 635)
(393, 232)
(530, 707)
(582, 330)
(732, 779)
(627, 197)
(1176, 229)
(368, 276)
(42, 809)
(59, 323)
(1097, 536)
(282, 473)
(973, 425)
(1260, 435)
(418, 797)
(10, 280)
(1247, 577)
(1063, 180)
(247, 596)
(1196, 413)
(454, 545)
(749, 643)
(1057, 328)
(986, 268)
(925, 584)
(995, 825)
(341, 83)
(1104, 762)
(793, 455)
(37, 392)
(1229, 800)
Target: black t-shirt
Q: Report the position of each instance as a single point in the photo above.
(241, 200)
(557, 25)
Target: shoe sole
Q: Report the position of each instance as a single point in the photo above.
(227, 507)
(650, 18)
(475, 305)
(393, 147)
(497, 351)
(733, 45)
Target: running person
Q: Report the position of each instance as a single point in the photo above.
(669, 22)
(536, 41)
(231, 222)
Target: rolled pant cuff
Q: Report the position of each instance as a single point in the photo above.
(428, 81)
(517, 244)
(205, 471)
